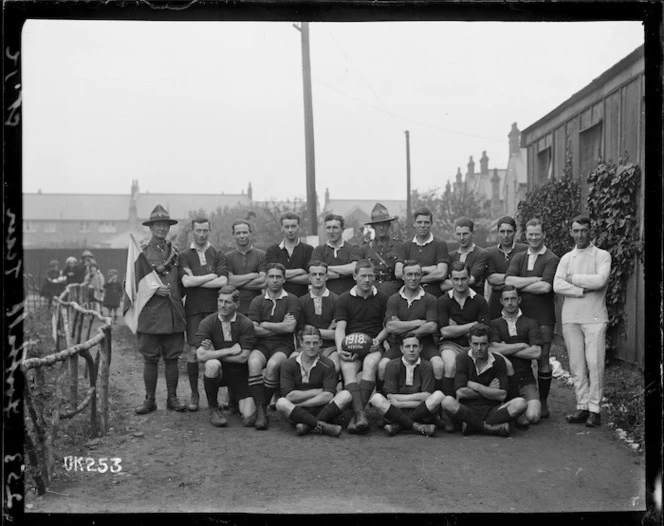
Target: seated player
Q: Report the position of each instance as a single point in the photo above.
(317, 306)
(518, 340)
(411, 401)
(361, 309)
(309, 385)
(481, 388)
(276, 315)
(412, 310)
(223, 342)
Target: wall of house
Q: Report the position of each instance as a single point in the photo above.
(70, 234)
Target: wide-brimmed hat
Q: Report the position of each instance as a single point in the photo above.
(159, 214)
(380, 214)
(86, 254)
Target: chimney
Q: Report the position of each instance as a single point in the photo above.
(471, 166)
(133, 208)
(250, 192)
(514, 137)
(327, 197)
(484, 164)
(495, 194)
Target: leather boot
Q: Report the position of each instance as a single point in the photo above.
(362, 422)
(262, 421)
(217, 418)
(302, 429)
(427, 430)
(499, 430)
(331, 430)
(146, 407)
(174, 404)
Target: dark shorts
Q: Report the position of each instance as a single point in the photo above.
(193, 322)
(429, 350)
(235, 377)
(547, 333)
(268, 349)
(168, 346)
(529, 391)
(486, 413)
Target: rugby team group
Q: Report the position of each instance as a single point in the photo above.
(320, 334)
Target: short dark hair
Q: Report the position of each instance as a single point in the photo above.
(412, 263)
(465, 222)
(317, 263)
(507, 219)
(230, 289)
(479, 331)
(582, 220)
(410, 335)
(510, 288)
(459, 266)
(423, 211)
(363, 263)
(309, 330)
(199, 220)
(240, 222)
(335, 217)
(535, 221)
(278, 266)
(289, 215)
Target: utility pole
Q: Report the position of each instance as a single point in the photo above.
(303, 28)
(408, 191)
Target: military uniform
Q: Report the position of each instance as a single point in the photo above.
(384, 258)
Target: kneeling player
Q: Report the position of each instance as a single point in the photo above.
(308, 385)
(223, 342)
(409, 384)
(481, 386)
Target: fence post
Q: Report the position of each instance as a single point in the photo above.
(102, 380)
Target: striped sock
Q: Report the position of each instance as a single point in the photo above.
(257, 388)
(544, 381)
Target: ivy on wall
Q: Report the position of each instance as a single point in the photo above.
(612, 206)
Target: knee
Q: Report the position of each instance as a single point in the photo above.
(533, 411)
(449, 404)
(342, 398)
(255, 364)
(517, 405)
(381, 366)
(283, 405)
(436, 398)
(370, 362)
(437, 365)
(212, 368)
(379, 402)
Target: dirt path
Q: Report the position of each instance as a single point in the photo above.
(179, 463)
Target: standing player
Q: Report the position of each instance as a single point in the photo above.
(499, 258)
(410, 401)
(161, 323)
(309, 387)
(317, 307)
(518, 339)
(276, 315)
(361, 309)
(582, 278)
(293, 254)
(474, 257)
(205, 271)
(481, 386)
(382, 250)
(428, 251)
(223, 343)
(339, 255)
(532, 272)
(246, 264)
(459, 310)
(412, 311)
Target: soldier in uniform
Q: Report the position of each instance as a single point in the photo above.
(161, 323)
(382, 250)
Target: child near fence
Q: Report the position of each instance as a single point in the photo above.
(112, 294)
(94, 282)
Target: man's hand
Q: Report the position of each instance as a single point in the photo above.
(289, 317)
(331, 274)
(347, 356)
(163, 291)
(188, 271)
(495, 384)
(207, 345)
(376, 345)
(452, 322)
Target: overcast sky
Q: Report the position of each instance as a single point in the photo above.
(198, 107)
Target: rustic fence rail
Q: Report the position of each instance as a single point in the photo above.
(68, 326)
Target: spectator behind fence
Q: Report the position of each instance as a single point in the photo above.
(69, 272)
(94, 284)
(53, 284)
(83, 269)
(112, 294)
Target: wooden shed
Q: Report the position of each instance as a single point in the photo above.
(604, 119)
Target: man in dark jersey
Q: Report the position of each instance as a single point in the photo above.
(481, 387)
(293, 254)
(382, 250)
(532, 273)
(499, 259)
(309, 387)
(223, 343)
(474, 257)
(246, 264)
(276, 315)
(361, 309)
(517, 338)
(339, 255)
(205, 271)
(427, 250)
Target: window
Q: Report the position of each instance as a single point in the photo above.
(85, 227)
(29, 227)
(107, 227)
(544, 165)
(590, 150)
(50, 228)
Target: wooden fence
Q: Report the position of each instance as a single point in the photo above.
(68, 325)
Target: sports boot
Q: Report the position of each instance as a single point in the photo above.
(249, 421)
(217, 418)
(499, 430)
(146, 407)
(392, 429)
(427, 430)
(352, 425)
(193, 402)
(331, 430)
(362, 422)
(302, 429)
(262, 421)
(174, 404)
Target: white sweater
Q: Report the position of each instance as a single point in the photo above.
(588, 269)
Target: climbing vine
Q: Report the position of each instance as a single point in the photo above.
(612, 205)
